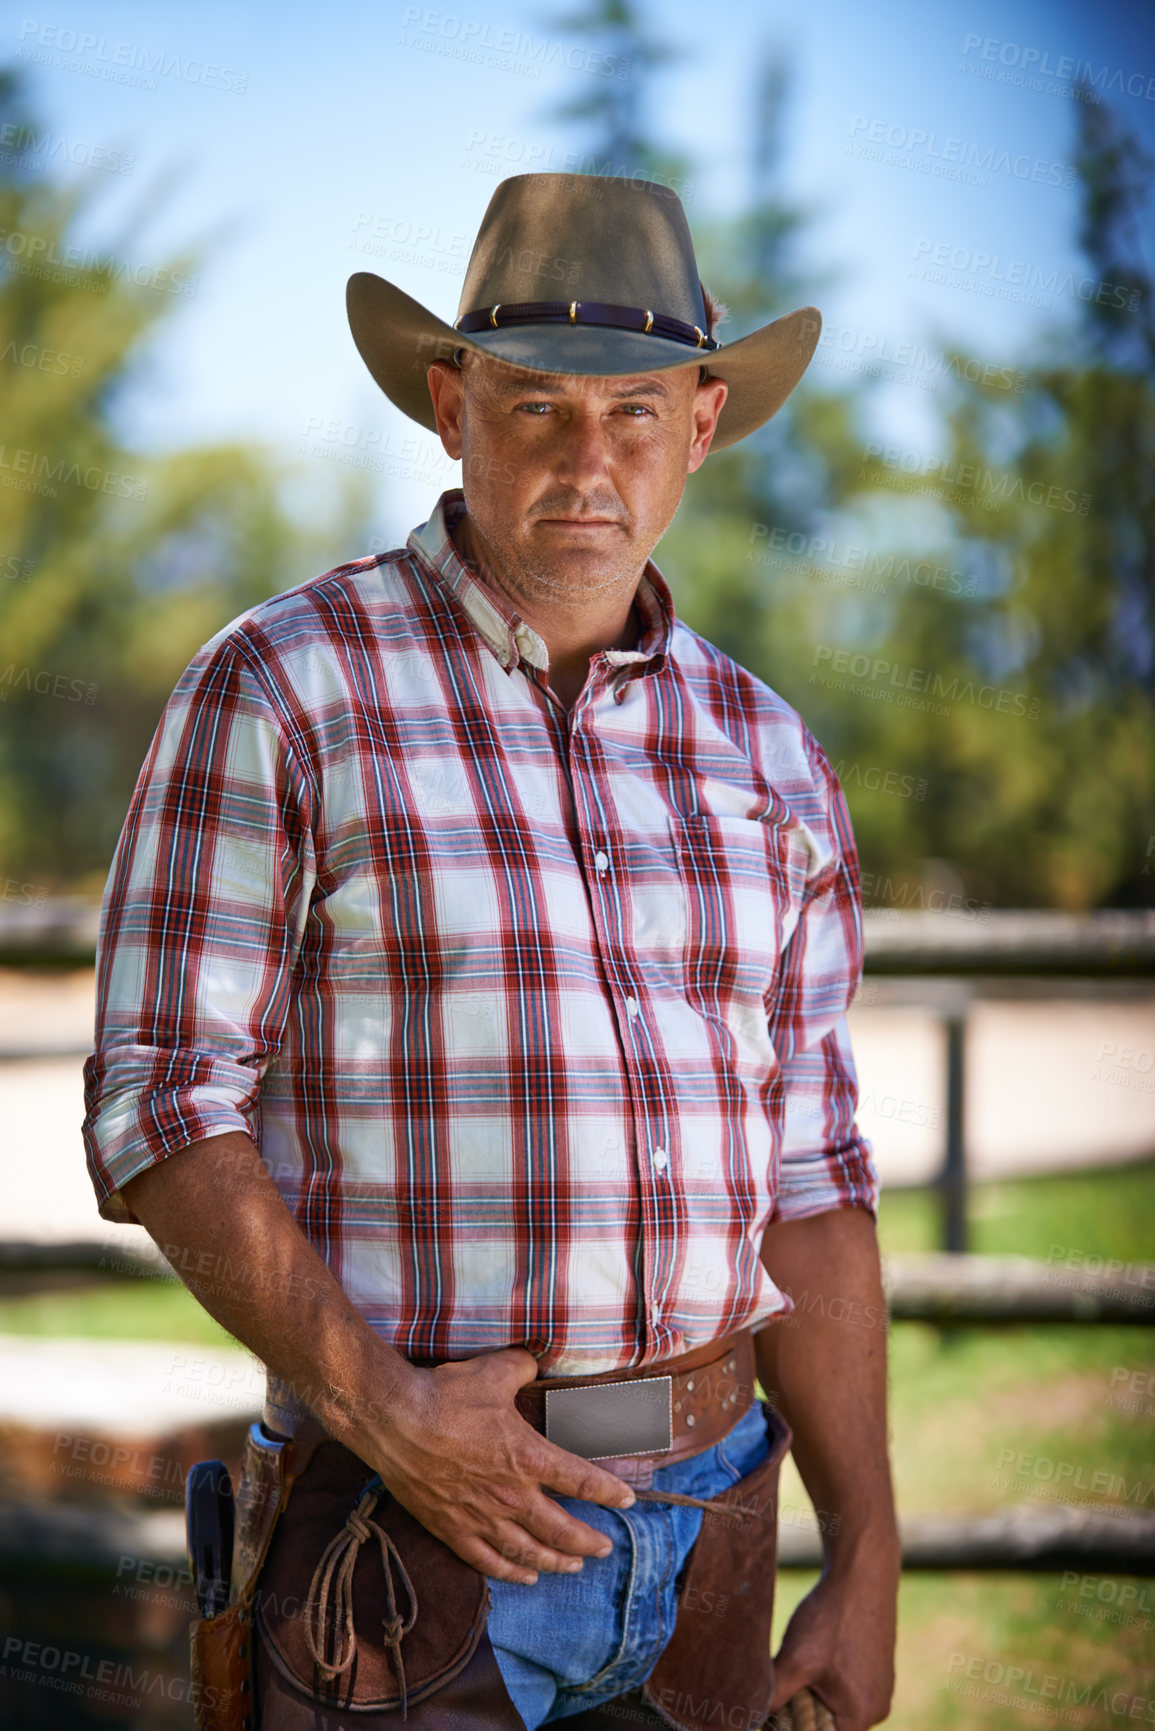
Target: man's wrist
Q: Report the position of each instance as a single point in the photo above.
(370, 1402)
(869, 1542)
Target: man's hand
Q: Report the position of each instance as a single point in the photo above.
(459, 1455)
(825, 1368)
(449, 1443)
(840, 1643)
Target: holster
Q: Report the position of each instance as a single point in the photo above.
(221, 1656)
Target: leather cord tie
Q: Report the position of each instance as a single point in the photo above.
(329, 1627)
(728, 1511)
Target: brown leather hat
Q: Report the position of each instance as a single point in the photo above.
(580, 274)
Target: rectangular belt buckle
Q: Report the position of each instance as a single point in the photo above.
(617, 1418)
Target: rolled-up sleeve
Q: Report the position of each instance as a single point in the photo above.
(825, 1161)
(201, 924)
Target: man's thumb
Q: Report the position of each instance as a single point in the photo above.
(790, 1673)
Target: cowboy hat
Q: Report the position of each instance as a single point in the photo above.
(580, 274)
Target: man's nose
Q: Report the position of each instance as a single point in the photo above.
(582, 450)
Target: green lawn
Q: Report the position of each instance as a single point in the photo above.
(980, 1420)
(983, 1420)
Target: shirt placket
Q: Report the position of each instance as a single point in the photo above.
(605, 869)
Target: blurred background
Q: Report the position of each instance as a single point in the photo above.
(940, 552)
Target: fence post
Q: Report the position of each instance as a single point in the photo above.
(953, 1178)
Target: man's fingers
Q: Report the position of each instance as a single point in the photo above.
(788, 1679)
(489, 1561)
(562, 1532)
(572, 1476)
(792, 1672)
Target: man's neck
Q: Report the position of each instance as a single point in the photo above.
(571, 635)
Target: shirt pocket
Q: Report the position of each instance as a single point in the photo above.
(742, 880)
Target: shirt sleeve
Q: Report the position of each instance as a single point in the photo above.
(201, 923)
(826, 1162)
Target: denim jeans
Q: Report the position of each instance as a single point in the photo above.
(573, 1641)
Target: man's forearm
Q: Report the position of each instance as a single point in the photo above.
(825, 1367)
(450, 1443)
(217, 1215)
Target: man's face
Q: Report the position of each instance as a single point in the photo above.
(570, 482)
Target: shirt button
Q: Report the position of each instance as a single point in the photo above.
(602, 861)
(661, 1159)
(632, 1007)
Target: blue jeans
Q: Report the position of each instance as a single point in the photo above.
(573, 1641)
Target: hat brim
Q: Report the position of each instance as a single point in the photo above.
(397, 338)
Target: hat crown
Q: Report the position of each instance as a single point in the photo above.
(565, 237)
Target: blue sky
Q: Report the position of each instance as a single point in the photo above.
(305, 142)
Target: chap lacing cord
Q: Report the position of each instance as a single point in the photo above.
(329, 1608)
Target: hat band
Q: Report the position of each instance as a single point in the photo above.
(583, 313)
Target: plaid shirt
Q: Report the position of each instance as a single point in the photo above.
(537, 1019)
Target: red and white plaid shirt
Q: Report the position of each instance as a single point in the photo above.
(537, 1019)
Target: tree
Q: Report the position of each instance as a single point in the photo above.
(114, 566)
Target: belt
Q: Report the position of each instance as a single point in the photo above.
(673, 1409)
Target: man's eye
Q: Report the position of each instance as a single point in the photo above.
(637, 410)
(535, 408)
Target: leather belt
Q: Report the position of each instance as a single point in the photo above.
(699, 1396)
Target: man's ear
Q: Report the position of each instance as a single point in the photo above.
(447, 393)
(709, 397)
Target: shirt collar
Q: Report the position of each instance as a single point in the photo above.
(503, 628)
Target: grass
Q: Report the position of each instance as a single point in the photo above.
(1106, 1212)
(115, 1310)
(987, 1419)
(980, 1420)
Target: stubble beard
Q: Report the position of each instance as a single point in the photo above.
(506, 564)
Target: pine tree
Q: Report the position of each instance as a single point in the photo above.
(115, 566)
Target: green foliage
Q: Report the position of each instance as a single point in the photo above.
(974, 646)
(1095, 1213)
(115, 566)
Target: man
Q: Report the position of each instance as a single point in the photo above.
(471, 1016)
